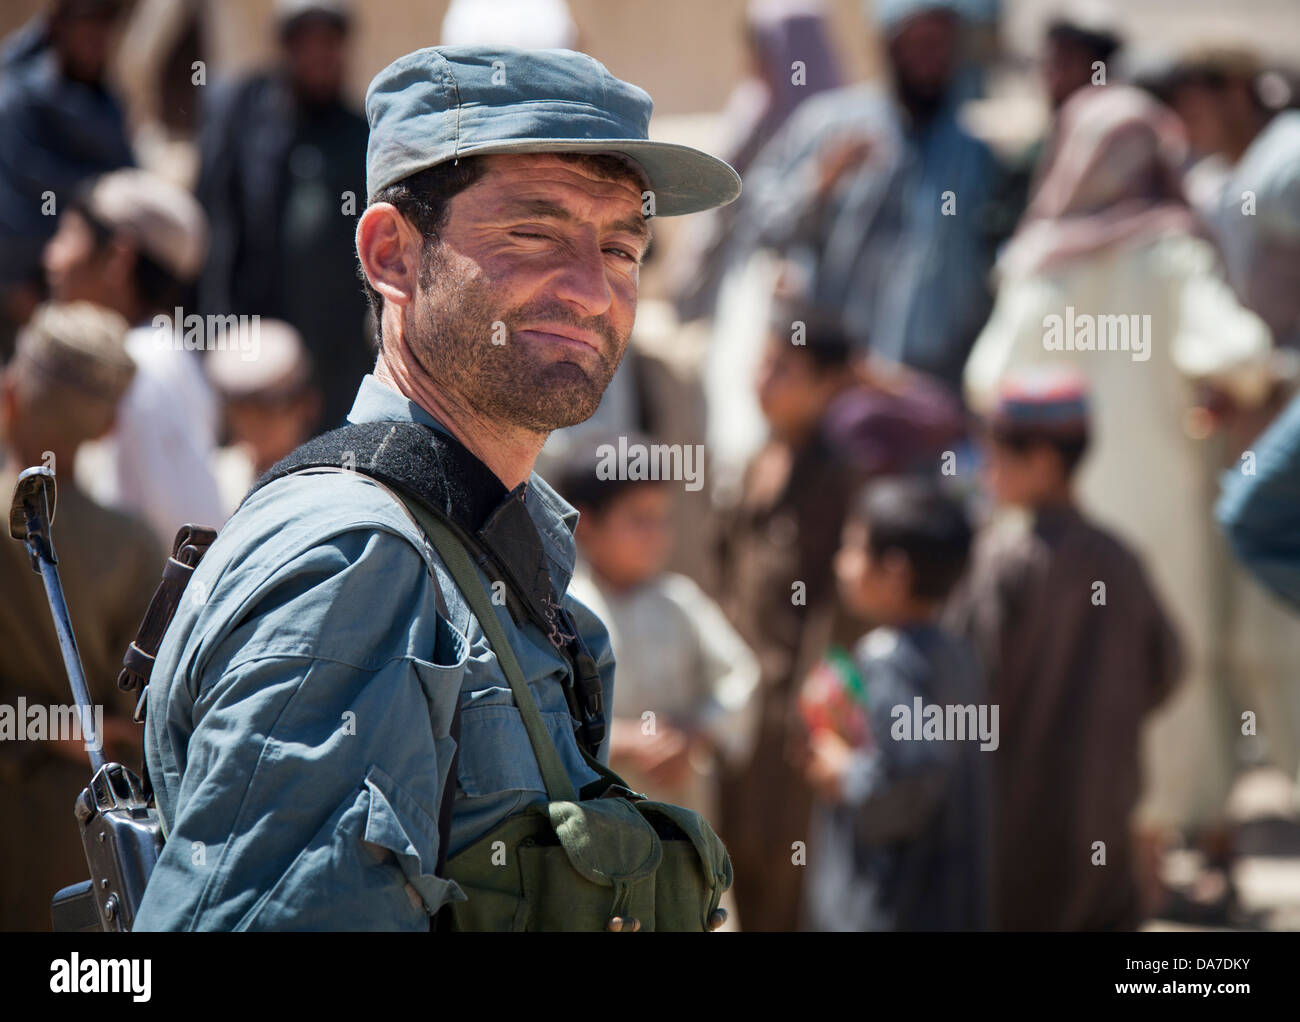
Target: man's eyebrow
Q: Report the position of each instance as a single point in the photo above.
(633, 225)
(554, 211)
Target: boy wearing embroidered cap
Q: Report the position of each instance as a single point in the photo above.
(364, 711)
(1079, 652)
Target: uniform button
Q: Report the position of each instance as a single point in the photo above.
(717, 918)
(623, 924)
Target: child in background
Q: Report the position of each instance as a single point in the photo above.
(685, 680)
(899, 829)
(270, 403)
(1079, 652)
(834, 424)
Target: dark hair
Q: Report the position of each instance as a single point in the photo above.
(156, 287)
(291, 26)
(577, 479)
(825, 342)
(1069, 447)
(87, 8)
(1101, 43)
(1216, 76)
(424, 198)
(930, 528)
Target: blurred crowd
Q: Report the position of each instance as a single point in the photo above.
(966, 412)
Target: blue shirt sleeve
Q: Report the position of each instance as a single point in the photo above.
(291, 735)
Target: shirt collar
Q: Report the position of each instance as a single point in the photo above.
(554, 517)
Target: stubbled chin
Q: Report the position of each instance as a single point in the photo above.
(552, 409)
(558, 417)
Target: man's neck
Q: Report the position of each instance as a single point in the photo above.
(509, 452)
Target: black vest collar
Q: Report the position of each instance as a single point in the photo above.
(435, 469)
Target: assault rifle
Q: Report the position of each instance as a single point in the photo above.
(120, 831)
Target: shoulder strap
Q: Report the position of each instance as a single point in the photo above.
(191, 543)
(454, 556)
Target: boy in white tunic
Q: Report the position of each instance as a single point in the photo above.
(685, 678)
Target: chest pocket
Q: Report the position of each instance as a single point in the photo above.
(496, 755)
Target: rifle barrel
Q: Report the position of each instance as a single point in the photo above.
(36, 541)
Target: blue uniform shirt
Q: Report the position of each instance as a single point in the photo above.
(300, 707)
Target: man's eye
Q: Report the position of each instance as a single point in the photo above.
(526, 234)
(624, 253)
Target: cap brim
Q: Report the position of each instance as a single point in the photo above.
(683, 179)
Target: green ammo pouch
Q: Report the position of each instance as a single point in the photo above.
(615, 862)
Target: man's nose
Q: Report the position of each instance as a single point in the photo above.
(581, 280)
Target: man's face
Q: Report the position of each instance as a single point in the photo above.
(872, 588)
(315, 53)
(74, 266)
(83, 43)
(923, 57)
(272, 427)
(629, 541)
(791, 393)
(1067, 67)
(1020, 478)
(525, 308)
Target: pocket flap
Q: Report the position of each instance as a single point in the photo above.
(606, 840)
(397, 822)
(712, 852)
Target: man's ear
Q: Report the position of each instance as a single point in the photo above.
(390, 250)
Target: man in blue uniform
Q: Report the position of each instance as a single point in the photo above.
(302, 707)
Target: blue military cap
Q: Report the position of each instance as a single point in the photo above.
(445, 102)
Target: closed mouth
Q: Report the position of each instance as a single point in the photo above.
(569, 339)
